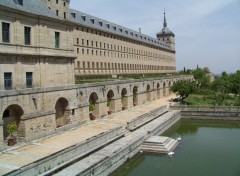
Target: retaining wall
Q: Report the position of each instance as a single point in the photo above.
(211, 113)
(69, 154)
(143, 119)
(114, 155)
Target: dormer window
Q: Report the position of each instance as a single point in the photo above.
(92, 20)
(131, 33)
(126, 32)
(120, 30)
(20, 2)
(115, 28)
(73, 15)
(84, 17)
(108, 25)
(100, 23)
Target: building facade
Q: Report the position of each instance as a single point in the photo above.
(44, 44)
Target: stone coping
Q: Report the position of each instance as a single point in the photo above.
(207, 108)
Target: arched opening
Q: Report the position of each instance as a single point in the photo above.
(164, 89)
(135, 96)
(148, 93)
(12, 114)
(124, 99)
(110, 105)
(93, 106)
(158, 91)
(62, 112)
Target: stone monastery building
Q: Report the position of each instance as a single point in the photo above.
(44, 44)
(46, 37)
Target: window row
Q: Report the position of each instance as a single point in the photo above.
(120, 55)
(112, 47)
(118, 66)
(8, 80)
(6, 34)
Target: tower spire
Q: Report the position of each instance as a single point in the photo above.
(165, 21)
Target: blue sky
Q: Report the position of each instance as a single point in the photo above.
(207, 31)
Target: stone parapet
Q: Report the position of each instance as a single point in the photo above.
(145, 118)
(69, 154)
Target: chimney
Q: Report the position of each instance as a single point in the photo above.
(140, 30)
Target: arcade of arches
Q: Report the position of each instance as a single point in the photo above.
(73, 107)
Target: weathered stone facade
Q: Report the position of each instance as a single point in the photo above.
(38, 111)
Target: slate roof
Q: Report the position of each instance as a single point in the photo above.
(107, 26)
(38, 7)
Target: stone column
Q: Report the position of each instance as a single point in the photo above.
(142, 98)
(84, 113)
(1, 136)
(154, 95)
(161, 92)
(100, 109)
(130, 102)
(116, 105)
(167, 91)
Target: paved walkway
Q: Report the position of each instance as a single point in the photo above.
(17, 157)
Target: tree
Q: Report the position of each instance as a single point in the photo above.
(184, 88)
(200, 75)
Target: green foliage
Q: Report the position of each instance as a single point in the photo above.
(200, 75)
(12, 128)
(184, 88)
(108, 103)
(224, 90)
(91, 107)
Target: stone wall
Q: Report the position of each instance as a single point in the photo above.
(37, 111)
(214, 113)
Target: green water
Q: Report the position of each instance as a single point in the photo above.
(208, 148)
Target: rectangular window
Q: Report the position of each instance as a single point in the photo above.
(29, 79)
(5, 32)
(8, 81)
(27, 35)
(57, 39)
(57, 12)
(65, 16)
(56, 1)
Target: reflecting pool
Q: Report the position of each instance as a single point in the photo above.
(207, 148)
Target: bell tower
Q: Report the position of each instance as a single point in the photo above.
(59, 7)
(166, 35)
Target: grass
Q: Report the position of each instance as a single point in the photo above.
(201, 100)
(104, 78)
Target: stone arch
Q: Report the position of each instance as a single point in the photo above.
(110, 101)
(93, 106)
(158, 91)
(62, 112)
(12, 114)
(148, 93)
(135, 95)
(169, 84)
(124, 98)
